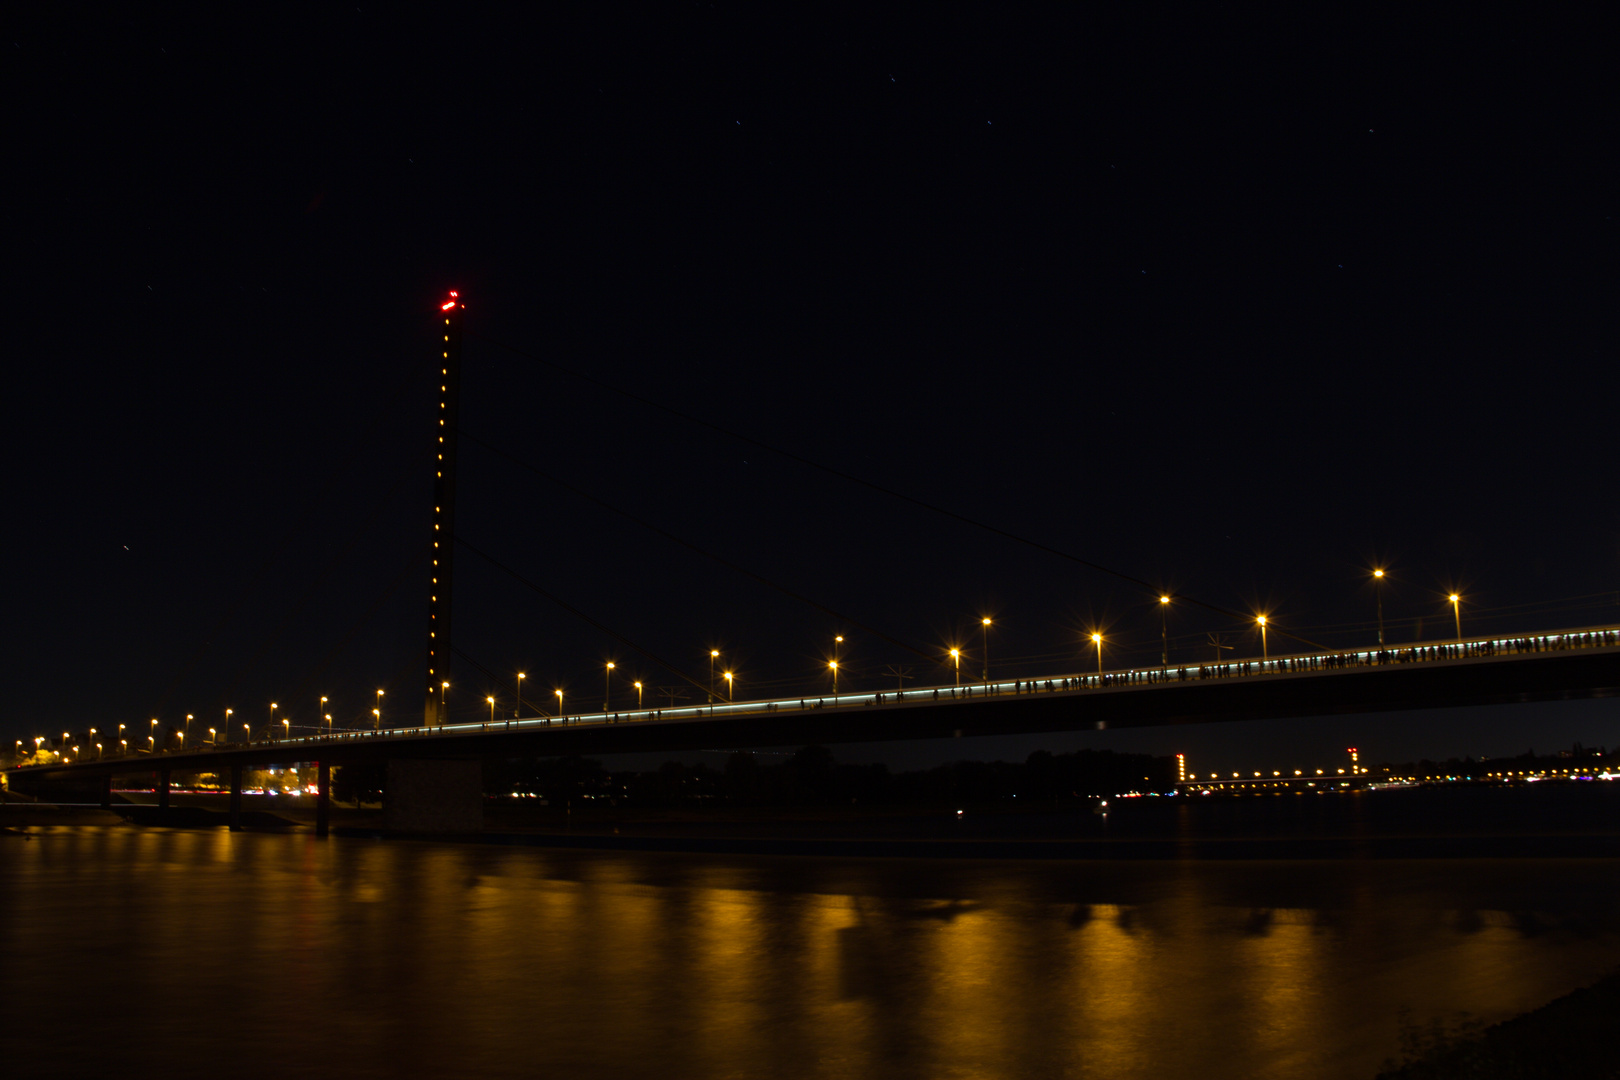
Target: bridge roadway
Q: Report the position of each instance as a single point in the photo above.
(1559, 665)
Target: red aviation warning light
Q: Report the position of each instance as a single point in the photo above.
(454, 301)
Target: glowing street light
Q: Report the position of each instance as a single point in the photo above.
(834, 665)
(247, 734)
(1264, 654)
(328, 723)
(213, 736)
(444, 688)
(1378, 591)
(227, 724)
(491, 700)
(956, 659)
(517, 713)
(188, 724)
(607, 688)
(320, 713)
(714, 654)
(559, 703)
(985, 628)
(376, 719)
(268, 734)
(378, 710)
(1164, 631)
(286, 730)
(1456, 612)
(728, 685)
(638, 696)
(1097, 640)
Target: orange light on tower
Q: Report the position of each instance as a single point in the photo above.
(1181, 767)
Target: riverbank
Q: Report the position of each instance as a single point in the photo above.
(1571, 1036)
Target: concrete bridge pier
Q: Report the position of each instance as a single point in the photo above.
(236, 798)
(163, 789)
(323, 797)
(434, 796)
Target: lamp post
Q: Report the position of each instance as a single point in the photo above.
(607, 688)
(378, 710)
(320, 714)
(269, 734)
(1096, 639)
(638, 696)
(1456, 612)
(247, 734)
(1164, 631)
(213, 736)
(559, 703)
(286, 730)
(1265, 654)
(328, 724)
(376, 719)
(491, 700)
(956, 659)
(517, 713)
(227, 725)
(188, 724)
(444, 688)
(714, 654)
(834, 665)
(728, 686)
(985, 627)
(1378, 593)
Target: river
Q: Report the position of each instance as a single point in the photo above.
(207, 953)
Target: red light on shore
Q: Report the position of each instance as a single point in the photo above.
(447, 305)
(454, 293)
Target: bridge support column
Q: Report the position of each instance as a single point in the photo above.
(434, 796)
(163, 789)
(106, 792)
(323, 797)
(236, 798)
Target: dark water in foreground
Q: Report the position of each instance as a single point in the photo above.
(206, 953)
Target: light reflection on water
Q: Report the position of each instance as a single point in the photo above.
(259, 955)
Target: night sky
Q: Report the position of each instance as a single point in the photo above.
(1239, 309)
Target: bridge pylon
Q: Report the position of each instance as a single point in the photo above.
(441, 568)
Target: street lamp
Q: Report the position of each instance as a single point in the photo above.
(834, 665)
(286, 730)
(985, 627)
(1264, 653)
(227, 723)
(607, 688)
(328, 723)
(188, 724)
(181, 738)
(728, 686)
(956, 659)
(268, 734)
(247, 734)
(1378, 591)
(1096, 639)
(1456, 612)
(638, 696)
(713, 655)
(1164, 631)
(213, 736)
(378, 710)
(443, 689)
(321, 713)
(559, 703)
(517, 713)
(491, 700)
(376, 719)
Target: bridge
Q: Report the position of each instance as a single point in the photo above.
(434, 768)
(434, 778)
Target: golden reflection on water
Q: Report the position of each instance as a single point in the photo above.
(395, 958)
